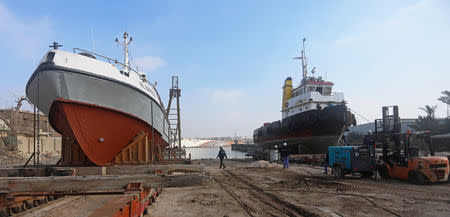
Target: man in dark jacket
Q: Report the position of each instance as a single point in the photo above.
(327, 160)
(368, 140)
(222, 155)
(284, 153)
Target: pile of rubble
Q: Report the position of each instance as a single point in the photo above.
(14, 158)
(10, 158)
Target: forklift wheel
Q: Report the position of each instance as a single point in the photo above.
(338, 171)
(420, 179)
(416, 178)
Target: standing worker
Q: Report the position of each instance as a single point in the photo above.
(284, 153)
(222, 155)
(273, 154)
(325, 165)
(368, 139)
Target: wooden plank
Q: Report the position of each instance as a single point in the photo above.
(146, 148)
(96, 183)
(149, 169)
(10, 172)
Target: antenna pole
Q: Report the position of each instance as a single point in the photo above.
(304, 64)
(125, 44)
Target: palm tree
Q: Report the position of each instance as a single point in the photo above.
(427, 122)
(445, 99)
(430, 110)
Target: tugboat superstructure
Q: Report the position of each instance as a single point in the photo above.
(313, 116)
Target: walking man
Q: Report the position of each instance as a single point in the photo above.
(284, 153)
(222, 155)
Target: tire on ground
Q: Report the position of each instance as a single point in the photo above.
(338, 171)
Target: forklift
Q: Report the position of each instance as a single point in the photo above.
(407, 156)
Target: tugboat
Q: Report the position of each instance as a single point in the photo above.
(97, 102)
(313, 117)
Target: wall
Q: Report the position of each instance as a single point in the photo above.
(48, 145)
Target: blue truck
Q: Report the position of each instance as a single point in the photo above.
(352, 159)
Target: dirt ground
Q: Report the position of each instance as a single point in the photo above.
(263, 189)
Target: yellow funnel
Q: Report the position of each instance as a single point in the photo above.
(287, 92)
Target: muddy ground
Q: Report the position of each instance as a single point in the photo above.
(263, 189)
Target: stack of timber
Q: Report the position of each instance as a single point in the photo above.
(126, 190)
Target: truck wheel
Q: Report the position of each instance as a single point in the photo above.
(383, 171)
(338, 172)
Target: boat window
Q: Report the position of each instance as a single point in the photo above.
(311, 89)
(327, 91)
(319, 89)
(50, 57)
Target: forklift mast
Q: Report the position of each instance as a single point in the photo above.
(389, 126)
(389, 130)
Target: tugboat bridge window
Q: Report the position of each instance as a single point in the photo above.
(319, 89)
(327, 91)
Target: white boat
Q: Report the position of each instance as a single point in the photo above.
(96, 101)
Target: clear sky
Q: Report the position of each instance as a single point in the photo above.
(233, 56)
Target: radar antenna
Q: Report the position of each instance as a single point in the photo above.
(55, 45)
(125, 44)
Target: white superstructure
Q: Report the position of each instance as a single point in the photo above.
(312, 93)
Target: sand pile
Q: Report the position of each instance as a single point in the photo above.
(261, 164)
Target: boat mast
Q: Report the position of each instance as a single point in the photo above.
(125, 44)
(304, 63)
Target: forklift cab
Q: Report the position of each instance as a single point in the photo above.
(419, 144)
(408, 146)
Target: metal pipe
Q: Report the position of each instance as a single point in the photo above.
(34, 136)
(38, 123)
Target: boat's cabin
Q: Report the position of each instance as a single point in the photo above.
(314, 93)
(322, 87)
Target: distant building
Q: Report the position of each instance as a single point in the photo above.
(50, 140)
(27, 125)
(406, 125)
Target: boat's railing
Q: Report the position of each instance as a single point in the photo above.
(111, 61)
(115, 61)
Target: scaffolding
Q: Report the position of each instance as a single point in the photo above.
(173, 114)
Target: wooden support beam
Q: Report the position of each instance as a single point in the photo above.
(140, 150)
(146, 148)
(96, 183)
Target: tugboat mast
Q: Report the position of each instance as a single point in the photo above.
(125, 44)
(304, 63)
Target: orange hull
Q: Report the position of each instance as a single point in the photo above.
(101, 132)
